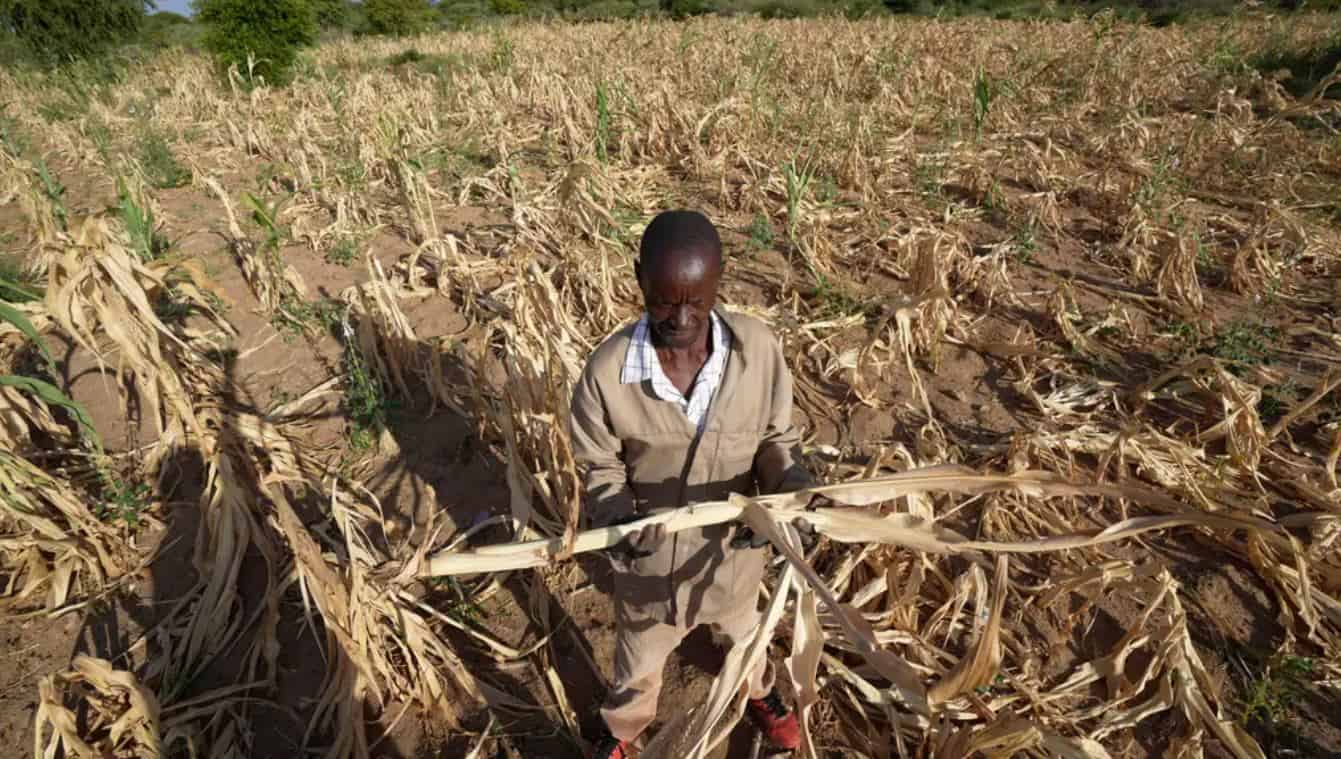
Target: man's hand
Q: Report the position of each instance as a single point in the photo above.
(646, 541)
(806, 531)
(640, 544)
(809, 536)
(744, 537)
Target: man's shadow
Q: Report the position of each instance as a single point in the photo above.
(130, 627)
(443, 470)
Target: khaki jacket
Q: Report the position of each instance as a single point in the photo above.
(639, 455)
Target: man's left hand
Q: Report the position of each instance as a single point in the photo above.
(745, 537)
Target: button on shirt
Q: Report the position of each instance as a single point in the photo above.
(641, 365)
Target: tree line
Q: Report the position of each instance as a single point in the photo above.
(263, 38)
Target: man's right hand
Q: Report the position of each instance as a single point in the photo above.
(641, 543)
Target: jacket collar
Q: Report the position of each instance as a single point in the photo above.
(735, 368)
(731, 320)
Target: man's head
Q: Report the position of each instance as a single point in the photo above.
(679, 267)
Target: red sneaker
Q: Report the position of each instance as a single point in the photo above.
(775, 721)
(610, 747)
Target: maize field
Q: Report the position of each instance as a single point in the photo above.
(284, 374)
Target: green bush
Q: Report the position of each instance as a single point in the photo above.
(398, 17)
(1304, 68)
(58, 31)
(687, 8)
(165, 29)
(863, 8)
(270, 32)
(331, 14)
(787, 8)
(608, 10)
(460, 15)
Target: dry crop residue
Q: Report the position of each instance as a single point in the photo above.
(1100, 250)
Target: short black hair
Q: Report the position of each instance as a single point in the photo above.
(681, 231)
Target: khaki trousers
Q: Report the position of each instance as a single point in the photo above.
(641, 651)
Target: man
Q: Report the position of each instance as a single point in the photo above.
(687, 405)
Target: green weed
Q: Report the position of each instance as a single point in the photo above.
(760, 60)
(141, 227)
(983, 93)
(38, 386)
(1104, 22)
(457, 160)
(17, 282)
(689, 36)
(1227, 55)
(1024, 244)
(761, 232)
(602, 123)
(1184, 336)
(353, 175)
(10, 140)
(296, 317)
(890, 62)
(994, 200)
(365, 400)
(929, 175)
(1269, 699)
(101, 136)
(266, 216)
(345, 253)
(834, 301)
(55, 192)
(122, 501)
(171, 307)
(1208, 265)
(61, 109)
(798, 183)
(215, 301)
(626, 219)
(826, 193)
(276, 175)
(461, 606)
(1243, 344)
(502, 54)
(1163, 179)
(161, 168)
(761, 55)
(1276, 400)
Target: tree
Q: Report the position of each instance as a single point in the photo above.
(397, 17)
(331, 14)
(57, 31)
(269, 32)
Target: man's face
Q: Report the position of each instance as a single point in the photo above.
(679, 292)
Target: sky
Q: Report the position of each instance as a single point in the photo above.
(176, 6)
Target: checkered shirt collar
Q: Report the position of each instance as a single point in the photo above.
(641, 365)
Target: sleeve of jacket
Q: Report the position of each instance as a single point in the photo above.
(597, 450)
(778, 464)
